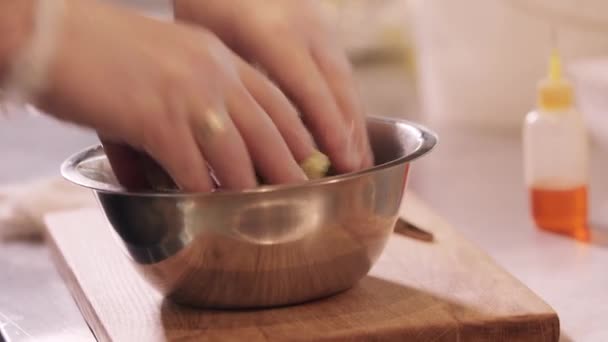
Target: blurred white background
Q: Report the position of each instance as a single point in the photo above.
(480, 60)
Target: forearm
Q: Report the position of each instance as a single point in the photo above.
(16, 24)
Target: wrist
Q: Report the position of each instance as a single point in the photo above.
(16, 27)
(26, 68)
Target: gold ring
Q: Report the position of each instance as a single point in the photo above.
(211, 124)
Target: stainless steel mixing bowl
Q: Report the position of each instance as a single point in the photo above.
(274, 245)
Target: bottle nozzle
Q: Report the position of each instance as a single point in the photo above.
(555, 93)
(555, 67)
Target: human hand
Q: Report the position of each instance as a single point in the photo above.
(293, 42)
(178, 94)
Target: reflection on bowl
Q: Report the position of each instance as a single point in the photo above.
(273, 245)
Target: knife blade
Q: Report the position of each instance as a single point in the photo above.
(408, 229)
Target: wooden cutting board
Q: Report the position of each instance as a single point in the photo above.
(446, 290)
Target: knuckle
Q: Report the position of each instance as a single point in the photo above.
(275, 92)
(276, 95)
(342, 71)
(177, 82)
(212, 64)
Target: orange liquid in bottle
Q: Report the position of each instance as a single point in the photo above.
(561, 211)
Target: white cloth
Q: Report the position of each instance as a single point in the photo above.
(23, 206)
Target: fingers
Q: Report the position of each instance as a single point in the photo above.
(222, 145)
(337, 72)
(176, 150)
(280, 110)
(270, 153)
(300, 78)
(210, 137)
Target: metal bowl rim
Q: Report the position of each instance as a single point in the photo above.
(69, 169)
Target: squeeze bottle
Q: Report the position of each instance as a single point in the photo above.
(555, 147)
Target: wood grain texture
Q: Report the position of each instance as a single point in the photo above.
(447, 290)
